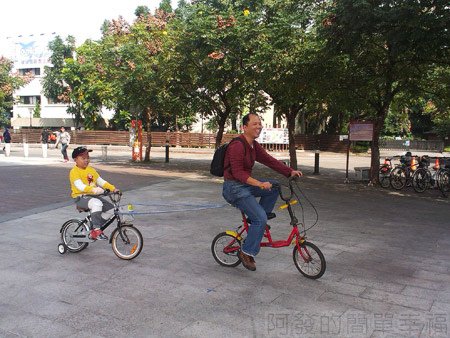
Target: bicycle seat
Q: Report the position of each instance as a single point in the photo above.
(82, 209)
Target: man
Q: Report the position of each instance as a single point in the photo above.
(240, 189)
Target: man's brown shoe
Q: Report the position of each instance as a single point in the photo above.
(247, 261)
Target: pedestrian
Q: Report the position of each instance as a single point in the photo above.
(6, 137)
(241, 189)
(64, 139)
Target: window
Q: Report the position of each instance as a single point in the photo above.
(30, 99)
(33, 71)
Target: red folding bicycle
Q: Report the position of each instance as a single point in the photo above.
(308, 258)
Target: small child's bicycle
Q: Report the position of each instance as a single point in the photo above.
(126, 240)
(308, 258)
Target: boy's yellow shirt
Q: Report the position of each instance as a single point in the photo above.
(89, 177)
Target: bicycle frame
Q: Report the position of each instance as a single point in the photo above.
(294, 236)
(114, 217)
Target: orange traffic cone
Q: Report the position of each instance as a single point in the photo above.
(436, 164)
(413, 163)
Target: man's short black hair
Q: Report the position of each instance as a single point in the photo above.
(246, 118)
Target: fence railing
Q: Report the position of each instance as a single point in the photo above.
(306, 142)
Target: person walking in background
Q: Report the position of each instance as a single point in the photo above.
(64, 139)
(6, 137)
(44, 140)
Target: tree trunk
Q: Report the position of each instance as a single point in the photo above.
(148, 114)
(291, 116)
(223, 119)
(375, 149)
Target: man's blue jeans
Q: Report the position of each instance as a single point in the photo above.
(243, 197)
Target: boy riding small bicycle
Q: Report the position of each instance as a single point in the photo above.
(86, 184)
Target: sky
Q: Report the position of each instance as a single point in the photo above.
(80, 18)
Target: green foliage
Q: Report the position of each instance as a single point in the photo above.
(9, 82)
(37, 110)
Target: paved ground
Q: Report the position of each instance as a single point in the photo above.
(387, 252)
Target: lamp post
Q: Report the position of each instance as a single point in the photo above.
(31, 116)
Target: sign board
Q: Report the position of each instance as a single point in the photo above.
(274, 136)
(361, 131)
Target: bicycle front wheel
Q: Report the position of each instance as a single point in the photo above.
(444, 183)
(225, 248)
(398, 178)
(127, 243)
(384, 176)
(310, 261)
(71, 228)
(421, 180)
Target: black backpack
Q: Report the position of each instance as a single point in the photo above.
(217, 163)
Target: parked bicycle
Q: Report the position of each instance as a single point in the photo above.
(401, 175)
(308, 258)
(422, 178)
(126, 240)
(443, 176)
(384, 173)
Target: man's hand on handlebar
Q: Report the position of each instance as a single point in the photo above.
(265, 185)
(296, 173)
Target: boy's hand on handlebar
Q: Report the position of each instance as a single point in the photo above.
(97, 190)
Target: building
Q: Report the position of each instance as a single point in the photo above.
(32, 109)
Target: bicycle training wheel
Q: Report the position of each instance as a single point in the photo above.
(225, 248)
(421, 180)
(309, 261)
(74, 227)
(398, 178)
(127, 243)
(384, 176)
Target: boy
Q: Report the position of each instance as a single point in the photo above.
(85, 183)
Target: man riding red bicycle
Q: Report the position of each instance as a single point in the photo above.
(240, 189)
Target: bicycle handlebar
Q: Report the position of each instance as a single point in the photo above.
(291, 189)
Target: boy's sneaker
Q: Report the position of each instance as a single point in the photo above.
(97, 234)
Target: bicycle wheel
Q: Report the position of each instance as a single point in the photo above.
(309, 261)
(384, 176)
(398, 178)
(71, 228)
(225, 248)
(421, 180)
(127, 243)
(444, 183)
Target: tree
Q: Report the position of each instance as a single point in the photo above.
(52, 83)
(9, 82)
(207, 60)
(284, 54)
(129, 62)
(387, 48)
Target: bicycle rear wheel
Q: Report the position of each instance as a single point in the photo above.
(225, 248)
(309, 260)
(384, 176)
(127, 243)
(398, 178)
(69, 229)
